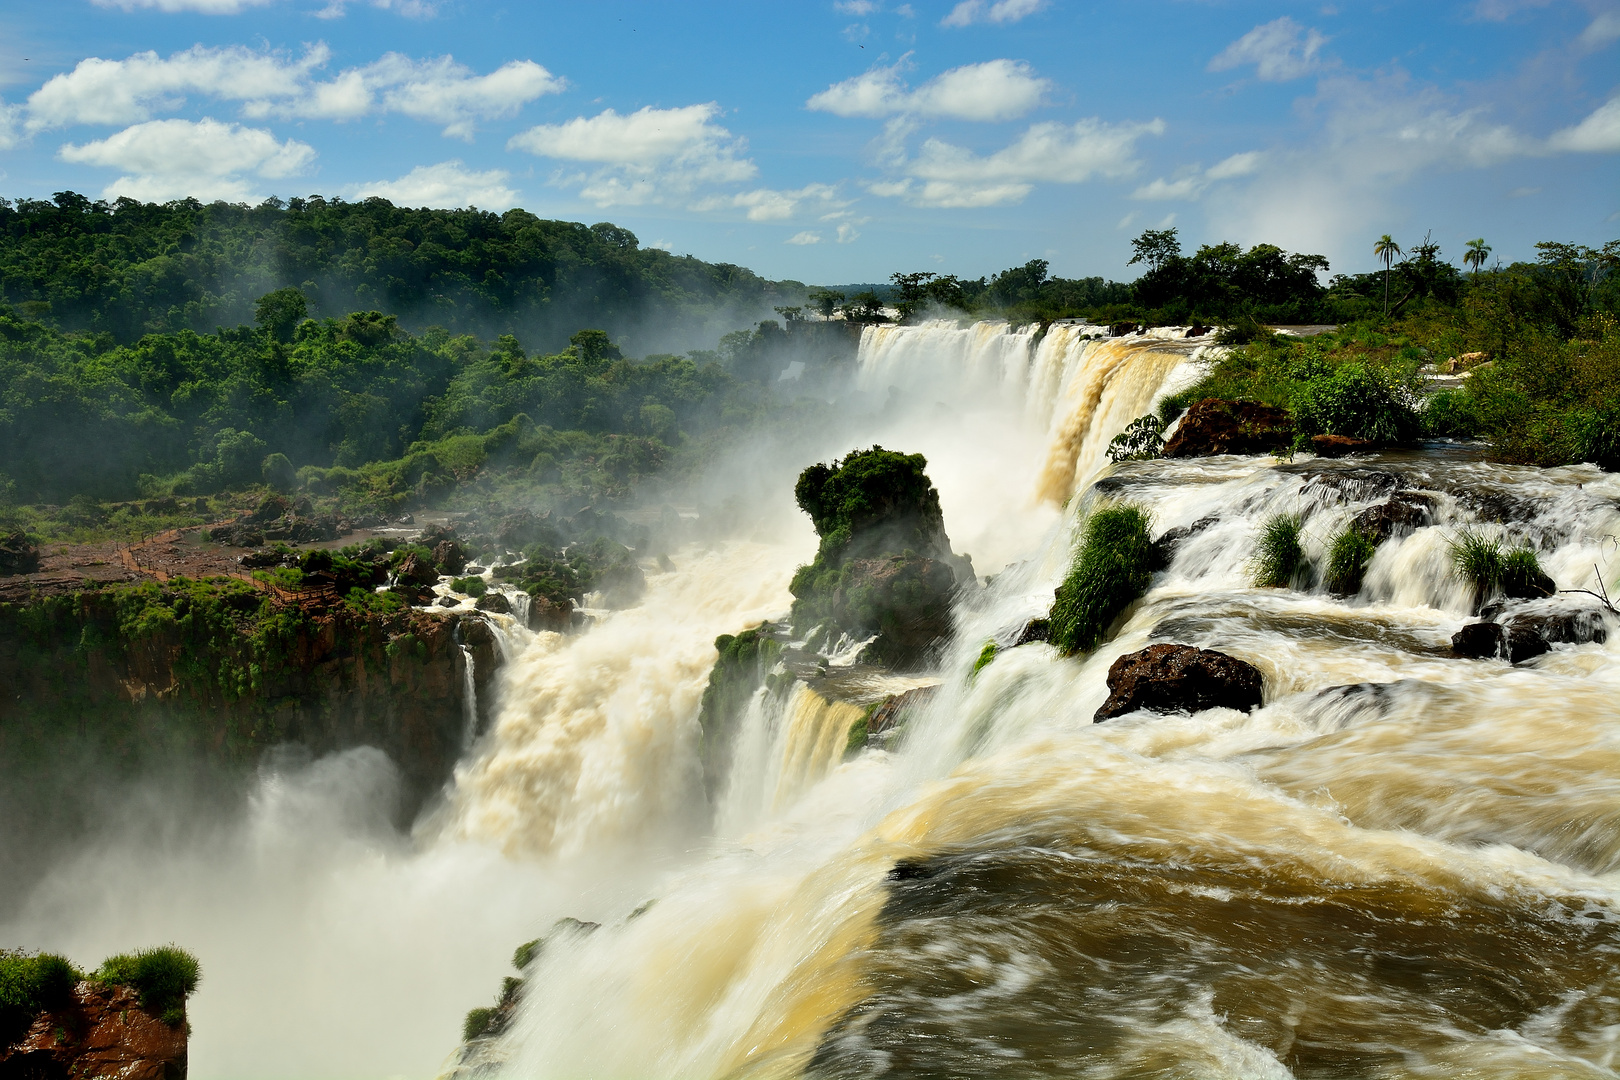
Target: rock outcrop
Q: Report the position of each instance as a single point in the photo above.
(103, 1033)
(1180, 678)
(1332, 446)
(1514, 643)
(1213, 426)
(18, 554)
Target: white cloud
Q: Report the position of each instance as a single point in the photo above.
(1602, 30)
(765, 204)
(101, 91)
(1192, 183)
(969, 12)
(205, 7)
(439, 90)
(953, 176)
(447, 184)
(1598, 133)
(993, 90)
(802, 238)
(1279, 50)
(847, 233)
(855, 7)
(207, 159)
(10, 115)
(651, 155)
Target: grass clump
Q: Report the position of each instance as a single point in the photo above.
(478, 1022)
(986, 654)
(1477, 559)
(1111, 569)
(162, 979)
(470, 586)
(30, 985)
(1348, 557)
(1279, 558)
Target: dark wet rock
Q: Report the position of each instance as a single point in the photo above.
(269, 509)
(303, 530)
(104, 1032)
(517, 531)
(1034, 630)
(405, 519)
(545, 614)
(267, 560)
(1212, 426)
(448, 555)
(496, 602)
(1479, 641)
(1573, 627)
(1163, 552)
(898, 709)
(1351, 483)
(415, 570)
(904, 599)
(1535, 587)
(1402, 513)
(1333, 446)
(476, 570)
(237, 534)
(1524, 644)
(18, 554)
(449, 601)
(1120, 329)
(1180, 678)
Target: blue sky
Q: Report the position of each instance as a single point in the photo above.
(841, 141)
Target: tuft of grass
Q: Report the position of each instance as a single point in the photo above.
(526, 952)
(986, 654)
(1111, 569)
(1522, 575)
(470, 586)
(1477, 559)
(1352, 550)
(162, 978)
(478, 1021)
(30, 985)
(1279, 557)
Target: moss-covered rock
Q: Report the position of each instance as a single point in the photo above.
(739, 671)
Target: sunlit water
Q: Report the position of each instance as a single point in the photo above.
(1403, 865)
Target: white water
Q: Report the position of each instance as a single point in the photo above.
(1215, 895)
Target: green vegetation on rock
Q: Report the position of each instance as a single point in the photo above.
(1111, 570)
(30, 985)
(1279, 557)
(1348, 557)
(162, 978)
(739, 671)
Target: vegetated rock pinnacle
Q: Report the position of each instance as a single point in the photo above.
(1180, 678)
(885, 565)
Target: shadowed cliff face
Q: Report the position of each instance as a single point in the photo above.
(104, 1032)
(98, 696)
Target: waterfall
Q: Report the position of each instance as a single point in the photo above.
(469, 699)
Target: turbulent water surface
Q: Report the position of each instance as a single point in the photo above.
(1403, 865)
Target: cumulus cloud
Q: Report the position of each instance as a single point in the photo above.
(855, 7)
(447, 184)
(802, 238)
(946, 175)
(439, 90)
(205, 7)
(1279, 50)
(993, 90)
(766, 204)
(10, 120)
(648, 156)
(1192, 182)
(1598, 133)
(207, 159)
(969, 12)
(847, 233)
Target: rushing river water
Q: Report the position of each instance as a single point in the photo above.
(1403, 865)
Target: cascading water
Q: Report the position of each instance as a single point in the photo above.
(469, 699)
(1402, 865)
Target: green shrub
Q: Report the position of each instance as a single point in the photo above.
(1356, 401)
(471, 586)
(162, 978)
(478, 1022)
(1452, 414)
(1143, 440)
(1522, 575)
(1279, 557)
(1352, 550)
(1111, 569)
(30, 985)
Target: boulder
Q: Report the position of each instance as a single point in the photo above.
(449, 556)
(1164, 548)
(1333, 446)
(545, 614)
(1523, 644)
(18, 554)
(1212, 426)
(1571, 627)
(415, 570)
(449, 601)
(1180, 678)
(1034, 630)
(1479, 641)
(496, 602)
(1120, 329)
(898, 709)
(237, 534)
(269, 509)
(904, 599)
(1401, 514)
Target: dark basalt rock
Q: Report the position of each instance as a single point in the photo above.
(1479, 641)
(904, 599)
(237, 535)
(449, 556)
(1180, 678)
(547, 615)
(1164, 548)
(18, 554)
(1332, 446)
(898, 709)
(1353, 483)
(1212, 426)
(496, 602)
(415, 570)
(1571, 627)
(1034, 630)
(1524, 645)
(1401, 514)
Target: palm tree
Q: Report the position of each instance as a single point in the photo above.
(1476, 253)
(1386, 249)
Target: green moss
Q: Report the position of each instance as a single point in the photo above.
(986, 654)
(739, 670)
(525, 953)
(478, 1022)
(1111, 569)
(1347, 560)
(162, 978)
(1279, 557)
